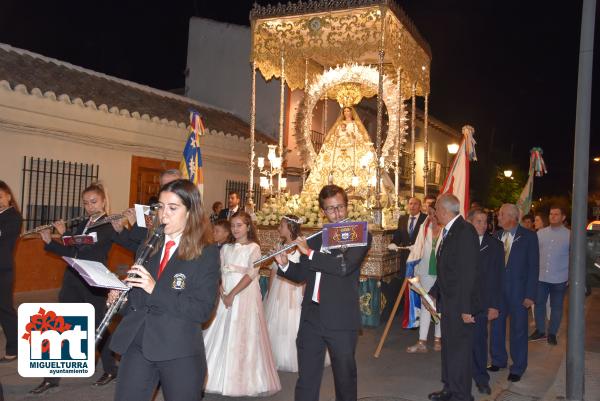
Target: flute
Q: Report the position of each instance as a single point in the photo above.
(290, 246)
(51, 226)
(115, 217)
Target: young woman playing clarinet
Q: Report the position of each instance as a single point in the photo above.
(160, 337)
(74, 288)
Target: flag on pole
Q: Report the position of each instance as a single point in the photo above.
(191, 163)
(411, 317)
(537, 167)
(457, 180)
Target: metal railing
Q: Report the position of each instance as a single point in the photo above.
(51, 189)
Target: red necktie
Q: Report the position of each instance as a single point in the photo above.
(165, 259)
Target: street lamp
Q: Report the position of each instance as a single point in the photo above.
(508, 173)
(597, 159)
(453, 148)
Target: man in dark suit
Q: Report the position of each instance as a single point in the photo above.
(409, 224)
(457, 296)
(490, 271)
(233, 205)
(330, 317)
(521, 256)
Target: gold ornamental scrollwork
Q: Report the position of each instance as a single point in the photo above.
(338, 79)
(341, 36)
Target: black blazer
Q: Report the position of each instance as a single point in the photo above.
(338, 306)
(455, 287)
(490, 271)
(97, 252)
(171, 317)
(224, 212)
(401, 236)
(132, 238)
(10, 227)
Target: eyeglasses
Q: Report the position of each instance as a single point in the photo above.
(331, 209)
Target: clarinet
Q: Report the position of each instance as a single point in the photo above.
(119, 302)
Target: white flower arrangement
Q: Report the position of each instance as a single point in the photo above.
(307, 209)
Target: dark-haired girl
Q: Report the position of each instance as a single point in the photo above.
(160, 337)
(238, 349)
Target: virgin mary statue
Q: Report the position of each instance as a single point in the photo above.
(346, 159)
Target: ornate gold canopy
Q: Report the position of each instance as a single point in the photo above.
(316, 35)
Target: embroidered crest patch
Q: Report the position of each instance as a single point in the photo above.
(178, 281)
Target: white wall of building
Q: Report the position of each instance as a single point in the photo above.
(32, 124)
(219, 73)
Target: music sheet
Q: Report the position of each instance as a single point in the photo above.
(96, 274)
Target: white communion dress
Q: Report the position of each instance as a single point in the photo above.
(282, 311)
(238, 350)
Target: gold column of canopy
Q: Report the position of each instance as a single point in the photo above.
(250, 194)
(319, 35)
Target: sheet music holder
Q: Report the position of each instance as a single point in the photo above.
(345, 234)
(82, 239)
(96, 274)
(142, 216)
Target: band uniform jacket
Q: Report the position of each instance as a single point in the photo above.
(10, 227)
(97, 252)
(455, 288)
(490, 272)
(340, 271)
(172, 316)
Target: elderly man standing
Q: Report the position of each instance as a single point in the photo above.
(490, 273)
(456, 295)
(554, 274)
(521, 257)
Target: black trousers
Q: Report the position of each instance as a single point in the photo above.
(74, 289)
(312, 341)
(480, 349)
(457, 354)
(8, 316)
(181, 379)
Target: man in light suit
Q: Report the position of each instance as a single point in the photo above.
(490, 273)
(330, 317)
(521, 257)
(457, 298)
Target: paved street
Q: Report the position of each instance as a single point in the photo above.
(395, 375)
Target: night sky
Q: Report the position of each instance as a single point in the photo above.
(509, 68)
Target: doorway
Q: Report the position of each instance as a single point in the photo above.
(145, 177)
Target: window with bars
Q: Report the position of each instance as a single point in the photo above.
(241, 187)
(51, 189)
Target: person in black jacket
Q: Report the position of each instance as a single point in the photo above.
(74, 288)
(490, 271)
(131, 238)
(10, 227)
(330, 317)
(457, 298)
(160, 336)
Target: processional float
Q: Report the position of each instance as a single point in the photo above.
(345, 50)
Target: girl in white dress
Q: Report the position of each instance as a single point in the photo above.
(238, 350)
(284, 304)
